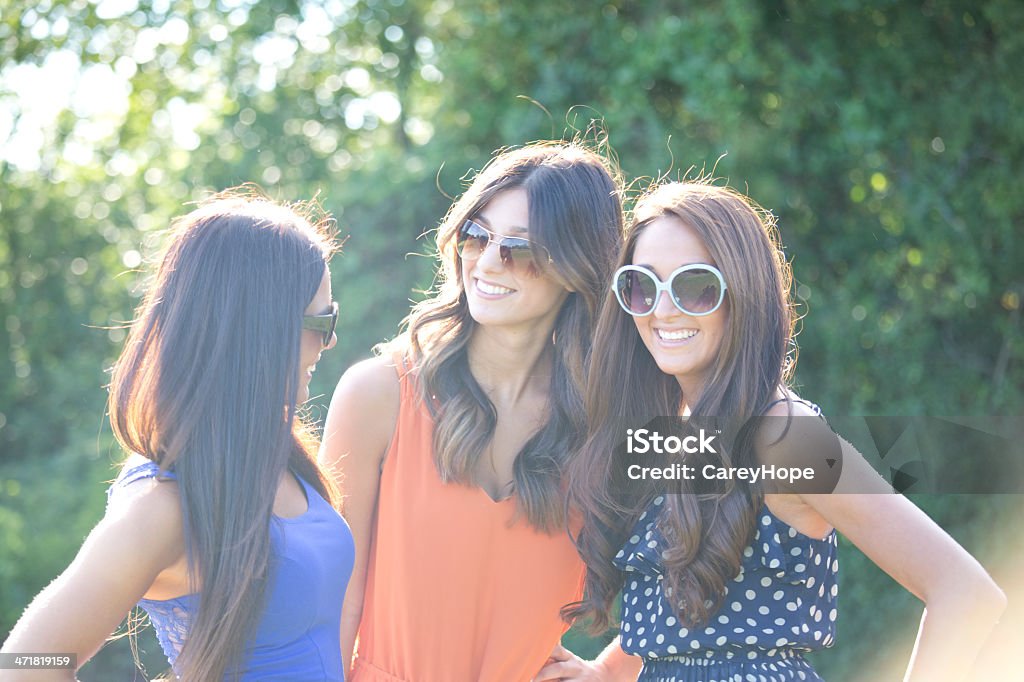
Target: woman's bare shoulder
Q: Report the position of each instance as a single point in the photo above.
(364, 410)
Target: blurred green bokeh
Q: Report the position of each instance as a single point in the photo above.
(886, 137)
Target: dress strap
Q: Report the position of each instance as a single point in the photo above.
(129, 475)
(408, 380)
(814, 407)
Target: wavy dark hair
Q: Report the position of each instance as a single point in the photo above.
(575, 212)
(206, 387)
(705, 533)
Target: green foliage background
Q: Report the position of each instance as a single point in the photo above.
(886, 136)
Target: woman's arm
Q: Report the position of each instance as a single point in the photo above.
(962, 603)
(360, 424)
(139, 537)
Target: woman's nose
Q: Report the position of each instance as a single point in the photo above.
(490, 257)
(665, 307)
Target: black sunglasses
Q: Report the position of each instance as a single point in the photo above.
(515, 252)
(325, 323)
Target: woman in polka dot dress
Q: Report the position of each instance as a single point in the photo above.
(739, 582)
(783, 601)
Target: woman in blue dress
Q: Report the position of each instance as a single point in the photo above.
(738, 582)
(221, 524)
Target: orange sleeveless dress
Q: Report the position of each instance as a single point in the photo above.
(457, 590)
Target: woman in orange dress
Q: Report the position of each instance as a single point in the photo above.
(450, 447)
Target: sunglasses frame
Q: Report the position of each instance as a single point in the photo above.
(666, 287)
(504, 250)
(325, 323)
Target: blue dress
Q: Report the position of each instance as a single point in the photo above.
(298, 636)
(781, 605)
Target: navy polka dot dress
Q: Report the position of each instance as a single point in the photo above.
(781, 605)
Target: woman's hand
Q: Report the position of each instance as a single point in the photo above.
(613, 664)
(564, 665)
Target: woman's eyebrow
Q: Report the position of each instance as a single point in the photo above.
(515, 229)
(681, 265)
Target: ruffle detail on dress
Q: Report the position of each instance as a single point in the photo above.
(786, 553)
(642, 551)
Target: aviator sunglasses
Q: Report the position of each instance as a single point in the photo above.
(515, 252)
(324, 324)
(696, 289)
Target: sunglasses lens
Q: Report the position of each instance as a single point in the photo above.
(697, 291)
(324, 324)
(637, 292)
(516, 252)
(472, 240)
(329, 334)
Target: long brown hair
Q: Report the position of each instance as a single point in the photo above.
(206, 387)
(705, 533)
(575, 213)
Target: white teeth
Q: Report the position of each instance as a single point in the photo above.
(677, 335)
(492, 289)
